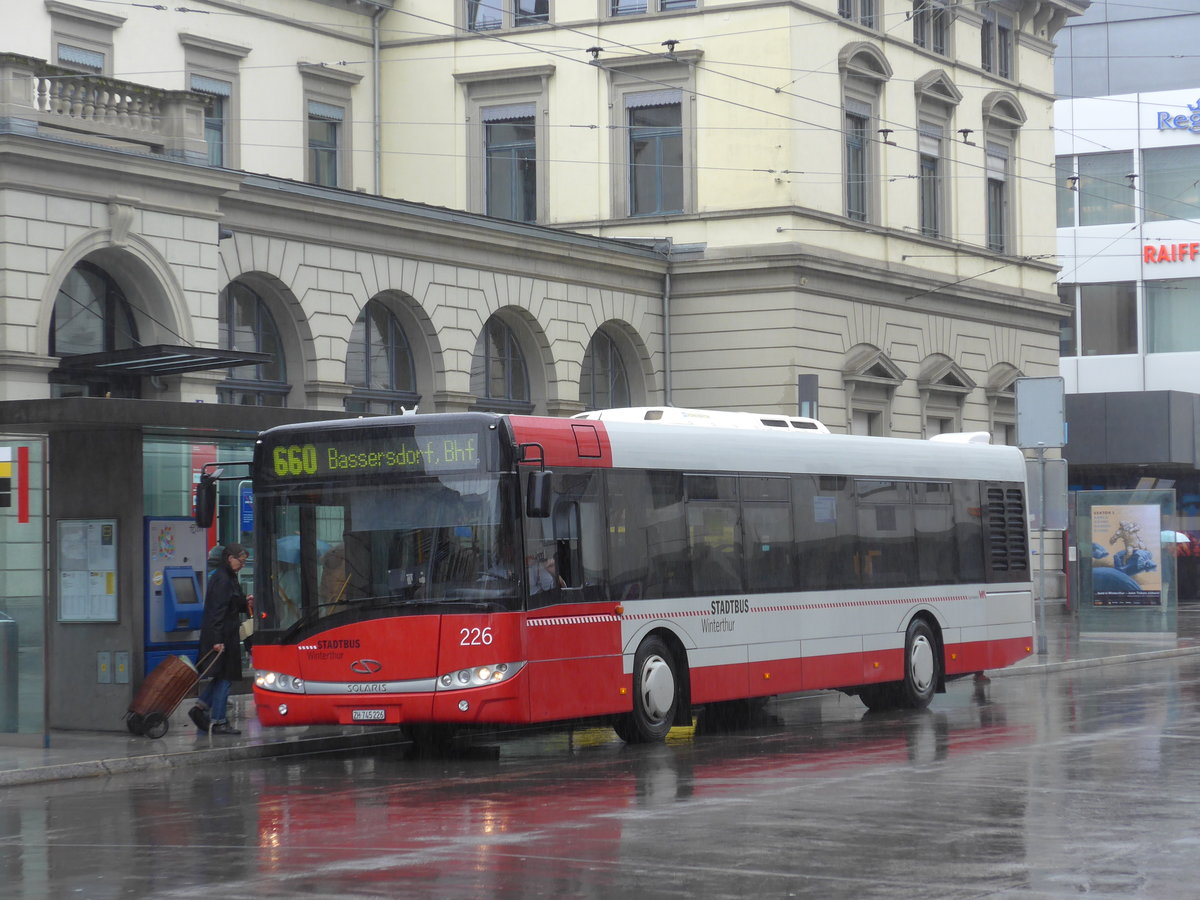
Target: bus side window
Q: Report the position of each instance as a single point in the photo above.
(825, 538)
(968, 530)
(933, 525)
(627, 548)
(714, 535)
(647, 542)
(770, 551)
(886, 546)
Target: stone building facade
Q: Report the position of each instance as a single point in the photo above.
(312, 208)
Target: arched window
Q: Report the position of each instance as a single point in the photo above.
(1002, 121)
(865, 70)
(379, 364)
(937, 97)
(603, 383)
(499, 379)
(246, 324)
(91, 315)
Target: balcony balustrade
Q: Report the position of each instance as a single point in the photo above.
(38, 97)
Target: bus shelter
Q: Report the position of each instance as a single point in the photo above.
(80, 480)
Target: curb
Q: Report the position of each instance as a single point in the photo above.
(1030, 668)
(191, 758)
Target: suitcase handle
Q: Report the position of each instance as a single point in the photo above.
(207, 662)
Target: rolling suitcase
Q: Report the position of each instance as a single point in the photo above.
(162, 691)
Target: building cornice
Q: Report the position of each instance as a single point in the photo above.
(92, 16)
(328, 73)
(213, 46)
(504, 74)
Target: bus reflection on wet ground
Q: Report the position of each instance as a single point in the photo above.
(568, 827)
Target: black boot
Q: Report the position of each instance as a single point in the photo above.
(199, 715)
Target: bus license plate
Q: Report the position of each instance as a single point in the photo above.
(368, 715)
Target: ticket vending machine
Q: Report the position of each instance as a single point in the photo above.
(176, 554)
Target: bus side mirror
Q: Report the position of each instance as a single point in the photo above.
(538, 495)
(206, 500)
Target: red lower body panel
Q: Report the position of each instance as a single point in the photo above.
(504, 703)
(553, 690)
(963, 659)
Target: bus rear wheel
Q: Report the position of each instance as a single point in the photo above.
(655, 695)
(922, 673)
(922, 666)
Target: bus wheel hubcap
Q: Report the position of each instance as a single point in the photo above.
(921, 664)
(658, 687)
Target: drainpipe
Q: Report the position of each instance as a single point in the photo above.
(666, 307)
(376, 100)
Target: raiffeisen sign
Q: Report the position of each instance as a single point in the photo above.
(1190, 121)
(1161, 253)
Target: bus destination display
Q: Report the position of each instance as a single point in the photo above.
(376, 455)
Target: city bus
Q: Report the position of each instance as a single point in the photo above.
(441, 571)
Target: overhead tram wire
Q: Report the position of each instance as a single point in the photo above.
(533, 48)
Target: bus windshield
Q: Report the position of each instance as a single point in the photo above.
(359, 550)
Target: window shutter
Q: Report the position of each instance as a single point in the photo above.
(653, 98)
(507, 112)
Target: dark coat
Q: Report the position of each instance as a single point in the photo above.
(224, 605)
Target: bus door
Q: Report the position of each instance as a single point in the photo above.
(573, 639)
(564, 553)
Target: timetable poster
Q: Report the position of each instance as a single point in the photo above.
(87, 570)
(1126, 555)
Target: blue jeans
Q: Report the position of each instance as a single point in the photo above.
(215, 696)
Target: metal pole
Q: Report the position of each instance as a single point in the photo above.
(1041, 609)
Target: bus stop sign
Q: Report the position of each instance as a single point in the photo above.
(1041, 418)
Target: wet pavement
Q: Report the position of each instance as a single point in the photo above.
(1051, 786)
(76, 754)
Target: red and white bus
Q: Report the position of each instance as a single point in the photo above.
(450, 570)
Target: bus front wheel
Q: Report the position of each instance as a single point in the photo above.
(655, 695)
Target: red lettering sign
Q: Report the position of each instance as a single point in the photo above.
(1170, 252)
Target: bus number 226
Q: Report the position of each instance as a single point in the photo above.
(474, 637)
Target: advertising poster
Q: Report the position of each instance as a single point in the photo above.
(1125, 555)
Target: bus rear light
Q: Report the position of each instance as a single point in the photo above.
(478, 676)
(276, 681)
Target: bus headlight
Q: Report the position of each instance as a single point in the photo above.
(276, 681)
(478, 676)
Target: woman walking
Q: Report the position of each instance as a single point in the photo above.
(224, 605)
